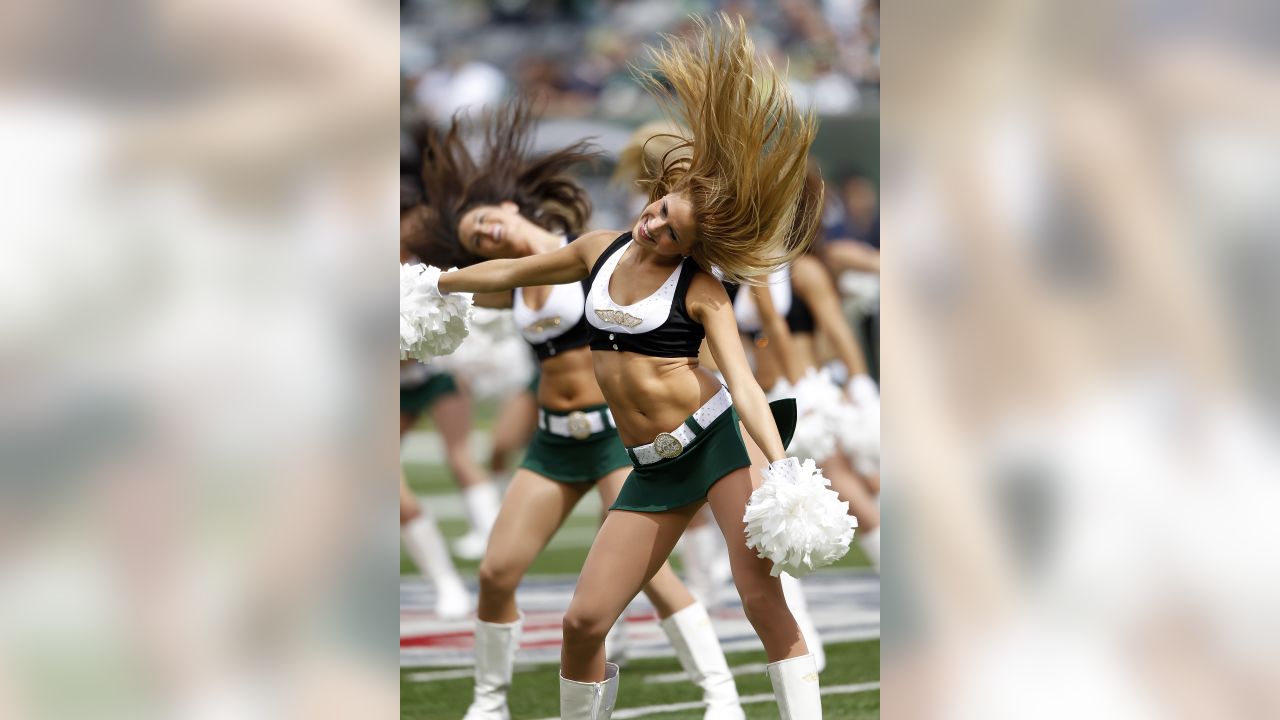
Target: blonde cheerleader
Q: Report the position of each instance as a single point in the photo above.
(650, 301)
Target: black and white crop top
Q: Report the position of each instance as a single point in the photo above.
(744, 305)
(559, 325)
(785, 301)
(800, 317)
(657, 326)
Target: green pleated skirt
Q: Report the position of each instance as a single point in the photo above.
(569, 460)
(415, 401)
(715, 452)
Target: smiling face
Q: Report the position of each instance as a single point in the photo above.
(666, 226)
(497, 231)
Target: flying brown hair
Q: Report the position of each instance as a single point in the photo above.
(743, 164)
(454, 182)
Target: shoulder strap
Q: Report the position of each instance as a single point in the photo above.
(688, 269)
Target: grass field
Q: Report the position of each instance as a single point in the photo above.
(851, 676)
(535, 691)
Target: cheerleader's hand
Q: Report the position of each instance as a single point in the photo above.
(431, 323)
(785, 470)
(796, 520)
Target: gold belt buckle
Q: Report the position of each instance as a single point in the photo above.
(667, 446)
(579, 425)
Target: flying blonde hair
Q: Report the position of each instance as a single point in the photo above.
(745, 165)
(641, 159)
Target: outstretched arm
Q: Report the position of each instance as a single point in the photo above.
(497, 301)
(709, 304)
(816, 288)
(775, 328)
(568, 264)
(844, 255)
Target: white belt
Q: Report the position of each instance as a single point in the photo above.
(669, 445)
(577, 424)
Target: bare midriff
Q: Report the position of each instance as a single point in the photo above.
(651, 395)
(568, 382)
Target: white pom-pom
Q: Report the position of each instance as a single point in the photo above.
(821, 416)
(431, 324)
(796, 520)
(494, 359)
(861, 435)
(815, 437)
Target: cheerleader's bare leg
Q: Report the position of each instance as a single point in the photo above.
(847, 483)
(627, 552)
(452, 417)
(792, 669)
(536, 507)
(761, 593)
(665, 589)
(516, 422)
(687, 625)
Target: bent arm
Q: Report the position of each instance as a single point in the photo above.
(775, 328)
(818, 291)
(716, 315)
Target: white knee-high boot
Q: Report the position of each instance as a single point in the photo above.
(695, 557)
(795, 687)
(870, 543)
(589, 701)
(482, 503)
(706, 563)
(694, 638)
(793, 591)
(496, 645)
(424, 543)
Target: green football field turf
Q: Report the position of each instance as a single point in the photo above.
(535, 690)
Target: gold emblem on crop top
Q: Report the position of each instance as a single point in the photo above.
(542, 325)
(617, 317)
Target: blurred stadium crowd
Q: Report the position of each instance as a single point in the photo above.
(578, 61)
(576, 55)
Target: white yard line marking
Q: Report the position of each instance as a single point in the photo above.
(637, 712)
(461, 673)
(427, 447)
(660, 678)
(677, 677)
(439, 675)
(449, 506)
